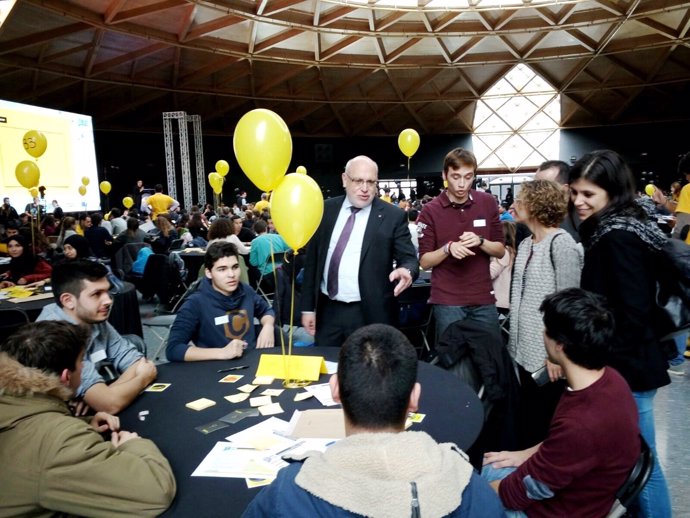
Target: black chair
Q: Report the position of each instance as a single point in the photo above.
(415, 315)
(11, 319)
(635, 482)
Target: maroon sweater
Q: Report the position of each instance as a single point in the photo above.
(592, 445)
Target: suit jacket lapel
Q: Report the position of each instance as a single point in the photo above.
(375, 220)
(330, 216)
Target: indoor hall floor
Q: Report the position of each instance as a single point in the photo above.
(672, 417)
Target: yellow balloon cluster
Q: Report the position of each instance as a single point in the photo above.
(105, 187)
(215, 180)
(35, 143)
(263, 147)
(27, 174)
(296, 209)
(222, 167)
(127, 201)
(82, 190)
(408, 142)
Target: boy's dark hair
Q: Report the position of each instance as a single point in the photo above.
(459, 157)
(50, 345)
(377, 370)
(582, 323)
(158, 187)
(412, 215)
(218, 251)
(115, 213)
(69, 276)
(96, 219)
(260, 226)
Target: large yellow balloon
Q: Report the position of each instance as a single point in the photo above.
(222, 167)
(301, 169)
(105, 187)
(82, 190)
(296, 209)
(127, 202)
(408, 142)
(85, 180)
(35, 143)
(216, 182)
(27, 174)
(263, 147)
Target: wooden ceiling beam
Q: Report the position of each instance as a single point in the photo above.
(423, 80)
(41, 37)
(104, 66)
(146, 10)
(202, 29)
(207, 70)
(396, 53)
(328, 17)
(465, 48)
(387, 21)
(659, 28)
(533, 44)
(90, 60)
(276, 6)
(344, 85)
(276, 39)
(114, 111)
(337, 47)
(112, 10)
(276, 80)
(302, 113)
(67, 52)
(587, 42)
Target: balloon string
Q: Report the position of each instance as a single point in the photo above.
(292, 314)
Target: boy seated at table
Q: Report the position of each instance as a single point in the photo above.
(115, 370)
(55, 464)
(379, 469)
(217, 321)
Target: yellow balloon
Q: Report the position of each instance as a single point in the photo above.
(301, 169)
(263, 147)
(82, 190)
(222, 167)
(408, 142)
(27, 174)
(105, 187)
(296, 209)
(215, 180)
(649, 189)
(127, 202)
(34, 192)
(85, 180)
(35, 143)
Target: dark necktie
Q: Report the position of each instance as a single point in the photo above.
(334, 265)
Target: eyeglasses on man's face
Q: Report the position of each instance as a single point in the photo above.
(361, 182)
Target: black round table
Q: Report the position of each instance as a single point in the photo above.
(124, 313)
(453, 414)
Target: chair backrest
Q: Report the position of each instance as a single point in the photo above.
(11, 319)
(637, 479)
(126, 255)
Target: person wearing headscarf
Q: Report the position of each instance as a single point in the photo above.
(25, 267)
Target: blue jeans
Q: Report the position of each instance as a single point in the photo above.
(654, 500)
(446, 315)
(489, 473)
(681, 342)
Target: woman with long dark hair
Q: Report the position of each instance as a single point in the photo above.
(25, 267)
(621, 251)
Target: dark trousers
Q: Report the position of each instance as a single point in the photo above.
(537, 406)
(335, 321)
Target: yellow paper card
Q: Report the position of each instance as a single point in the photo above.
(300, 367)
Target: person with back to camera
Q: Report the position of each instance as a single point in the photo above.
(379, 469)
(621, 251)
(54, 464)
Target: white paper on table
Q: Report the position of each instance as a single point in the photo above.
(331, 367)
(225, 460)
(269, 436)
(322, 392)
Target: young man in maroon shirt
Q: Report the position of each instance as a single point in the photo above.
(594, 438)
(459, 231)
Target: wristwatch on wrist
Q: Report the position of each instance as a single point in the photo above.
(481, 240)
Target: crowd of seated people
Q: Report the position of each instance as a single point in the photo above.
(582, 227)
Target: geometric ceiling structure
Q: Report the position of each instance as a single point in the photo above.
(344, 67)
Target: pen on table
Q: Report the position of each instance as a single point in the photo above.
(236, 368)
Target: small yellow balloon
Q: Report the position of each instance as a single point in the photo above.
(649, 189)
(301, 169)
(27, 173)
(445, 184)
(222, 167)
(82, 190)
(34, 192)
(35, 143)
(296, 209)
(127, 201)
(408, 142)
(85, 180)
(263, 147)
(105, 187)
(215, 180)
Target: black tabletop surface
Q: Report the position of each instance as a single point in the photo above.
(453, 414)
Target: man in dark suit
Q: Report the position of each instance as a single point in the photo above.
(349, 277)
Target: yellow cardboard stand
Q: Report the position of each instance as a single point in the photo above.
(307, 368)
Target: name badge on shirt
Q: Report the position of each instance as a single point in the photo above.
(222, 320)
(98, 356)
(479, 223)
